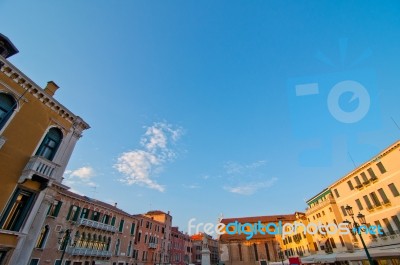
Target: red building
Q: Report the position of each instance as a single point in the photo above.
(181, 247)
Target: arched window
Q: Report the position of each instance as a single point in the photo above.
(43, 237)
(7, 106)
(116, 253)
(50, 144)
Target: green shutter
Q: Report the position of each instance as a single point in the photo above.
(69, 212)
(76, 214)
(121, 225)
(113, 221)
(57, 210)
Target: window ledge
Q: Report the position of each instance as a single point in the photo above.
(9, 232)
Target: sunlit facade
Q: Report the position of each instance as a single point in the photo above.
(37, 137)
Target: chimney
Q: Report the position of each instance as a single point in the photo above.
(51, 88)
(115, 204)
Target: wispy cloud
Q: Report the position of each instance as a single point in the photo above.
(251, 188)
(139, 166)
(80, 177)
(234, 168)
(246, 179)
(191, 186)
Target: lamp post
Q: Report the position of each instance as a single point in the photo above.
(357, 226)
(280, 253)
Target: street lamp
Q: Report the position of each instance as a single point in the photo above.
(280, 253)
(357, 226)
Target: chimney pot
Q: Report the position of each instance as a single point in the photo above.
(51, 88)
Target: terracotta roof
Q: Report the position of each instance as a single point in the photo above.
(94, 201)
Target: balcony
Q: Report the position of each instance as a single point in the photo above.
(329, 200)
(96, 225)
(152, 245)
(373, 179)
(88, 252)
(40, 169)
(359, 186)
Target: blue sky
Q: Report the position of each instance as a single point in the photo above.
(193, 104)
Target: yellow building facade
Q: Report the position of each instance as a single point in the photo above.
(372, 189)
(37, 137)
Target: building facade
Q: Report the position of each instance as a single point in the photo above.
(150, 246)
(322, 209)
(87, 231)
(37, 137)
(213, 247)
(372, 189)
(181, 247)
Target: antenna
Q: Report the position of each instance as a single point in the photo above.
(94, 192)
(395, 123)
(352, 159)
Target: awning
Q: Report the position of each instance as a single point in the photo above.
(354, 256)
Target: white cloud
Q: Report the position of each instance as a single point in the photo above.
(251, 188)
(83, 173)
(141, 165)
(77, 178)
(192, 186)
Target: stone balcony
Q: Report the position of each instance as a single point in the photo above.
(40, 169)
(96, 225)
(88, 252)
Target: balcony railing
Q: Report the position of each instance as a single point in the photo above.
(96, 225)
(88, 252)
(41, 167)
(320, 205)
(152, 245)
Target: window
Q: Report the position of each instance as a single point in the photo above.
(375, 199)
(54, 208)
(381, 168)
(34, 262)
(113, 221)
(44, 233)
(383, 196)
(368, 202)
(95, 216)
(128, 252)
(50, 144)
(377, 223)
(116, 253)
(396, 221)
(139, 236)
(364, 177)
(371, 173)
(57, 262)
(359, 205)
(7, 107)
(341, 241)
(350, 185)
(105, 219)
(389, 226)
(393, 189)
(344, 211)
(132, 228)
(121, 225)
(358, 182)
(17, 210)
(85, 213)
(73, 213)
(336, 193)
